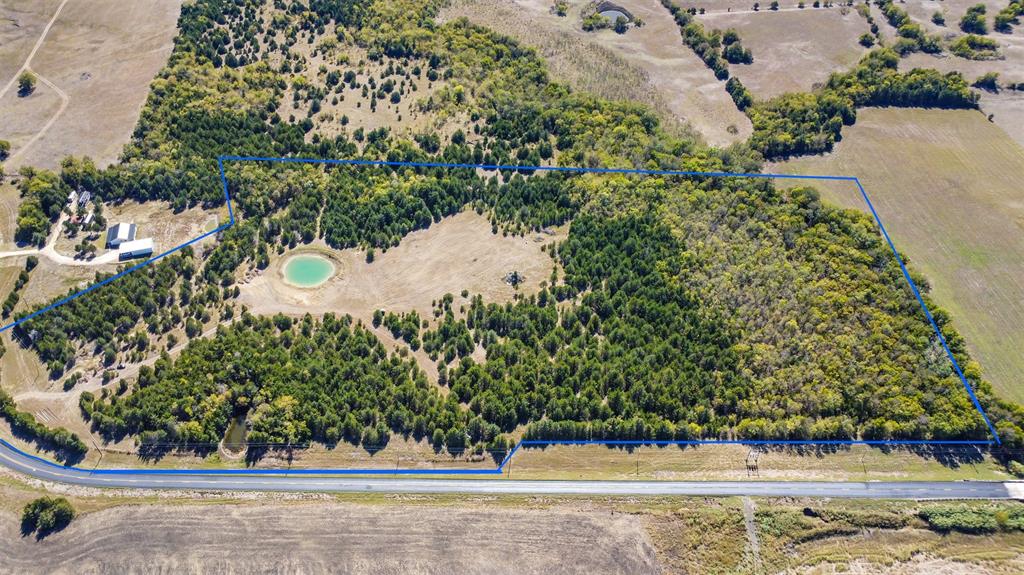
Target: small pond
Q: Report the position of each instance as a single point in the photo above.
(613, 15)
(234, 438)
(307, 270)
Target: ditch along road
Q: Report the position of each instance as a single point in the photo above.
(282, 480)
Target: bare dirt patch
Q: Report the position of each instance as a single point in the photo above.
(458, 253)
(103, 54)
(946, 185)
(794, 51)
(673, 77)
(335, 538)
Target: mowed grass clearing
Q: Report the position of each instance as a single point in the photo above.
(946, 185)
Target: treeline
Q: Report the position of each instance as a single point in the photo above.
(14, 297)
(912, 36)
(43, 197)
(811, 122)
(65, 445)
(716, 49)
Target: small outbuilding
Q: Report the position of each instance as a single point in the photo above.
(135, 249)
(120, 234)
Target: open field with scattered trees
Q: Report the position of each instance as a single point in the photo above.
(645, 65)
(101, 56)
(794, 51)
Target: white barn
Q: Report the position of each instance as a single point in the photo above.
(135, 249)
(119, 234)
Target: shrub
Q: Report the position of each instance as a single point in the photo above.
(46, 515)
(973, 21)
(960, 518)
(26, 83)
(975, 47)
(988, 82)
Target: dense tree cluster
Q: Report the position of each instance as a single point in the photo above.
(43, 196)
(45, 515)
(973, 21)
(327, 380)
(811, 122)
(1009, 17)
(974, 47)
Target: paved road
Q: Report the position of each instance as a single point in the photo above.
(28, 465)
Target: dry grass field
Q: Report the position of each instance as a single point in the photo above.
(102, 54)
(1006, 107)
(921, 12)
(648, 65)
(793, 50)
(10, 199)
(946, 184)
(335, 538)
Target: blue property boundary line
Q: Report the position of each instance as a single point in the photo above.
(531, 443)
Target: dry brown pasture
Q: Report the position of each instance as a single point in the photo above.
(946, 185)
(21, 23)
(794, 50)
(649, 64)
(335, 538)
(10, 199)
(102, 54)
(142, 531)
(921, 11)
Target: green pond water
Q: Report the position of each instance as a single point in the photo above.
(307, 270)
(234, 438)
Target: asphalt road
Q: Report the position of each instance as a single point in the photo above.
(40, 469)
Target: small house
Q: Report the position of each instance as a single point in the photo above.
(84, 198)
(119, 234)
(135, 249)
(72, 198)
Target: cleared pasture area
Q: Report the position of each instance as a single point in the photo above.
(649, 65)
(947, 185)
(21, 23)
(794, 50)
